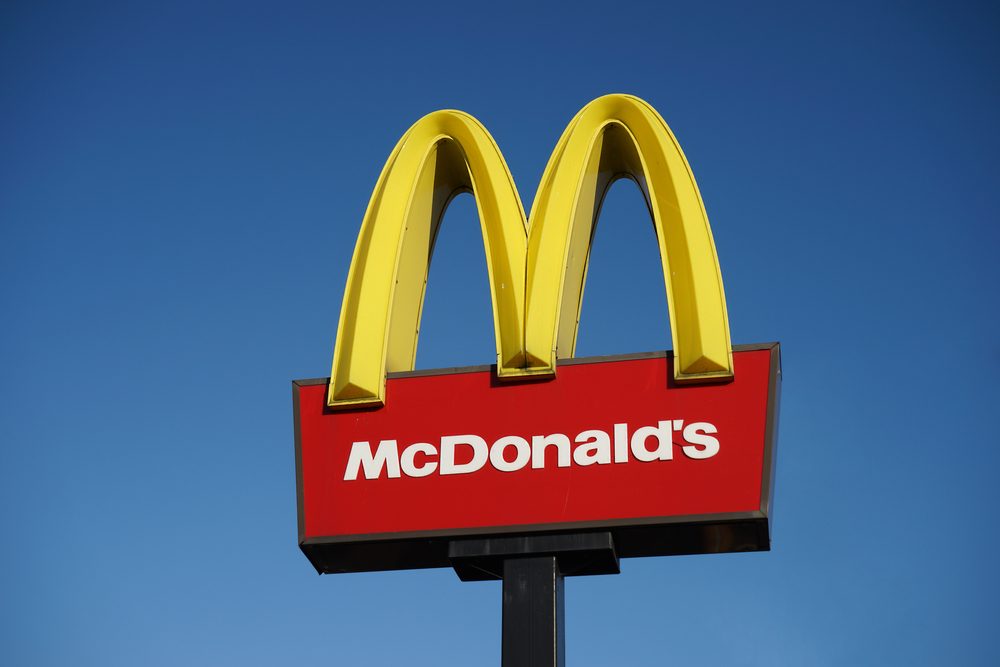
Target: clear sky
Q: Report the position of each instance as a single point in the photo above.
(181, 185)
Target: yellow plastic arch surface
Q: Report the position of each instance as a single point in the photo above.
(620, 136)
(537, 278)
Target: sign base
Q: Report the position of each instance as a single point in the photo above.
(577, 554)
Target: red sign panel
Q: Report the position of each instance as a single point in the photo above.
(609, 444)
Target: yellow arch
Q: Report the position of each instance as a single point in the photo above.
(536, 279)
(443, 154)
(621, 136)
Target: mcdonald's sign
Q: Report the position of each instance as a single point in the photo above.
(665, 453)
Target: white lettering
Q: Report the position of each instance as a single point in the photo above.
(406, 461)
(663, 433)
(595, 447)
(386, 457)
(695, 434)
(520, 459)
(540, 442)
(592, 447)
(621, 443)
(479, 454)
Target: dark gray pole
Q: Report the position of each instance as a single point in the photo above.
(533, 634)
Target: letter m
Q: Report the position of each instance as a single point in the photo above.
(387, 457)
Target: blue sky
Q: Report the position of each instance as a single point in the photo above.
(181, 185)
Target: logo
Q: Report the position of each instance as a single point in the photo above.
(595, 448)
(537, 265)
(654, 454)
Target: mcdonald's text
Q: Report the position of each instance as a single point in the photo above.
(511, 453)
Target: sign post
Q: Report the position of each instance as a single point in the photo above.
(543, 465)
(533, 625)
(533, 569)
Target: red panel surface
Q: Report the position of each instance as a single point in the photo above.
(584, 396)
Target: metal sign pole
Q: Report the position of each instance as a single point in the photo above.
(533, 627)
(532, 568)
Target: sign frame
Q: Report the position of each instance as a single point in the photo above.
(635, 537)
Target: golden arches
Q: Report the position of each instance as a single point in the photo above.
(536, 278)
